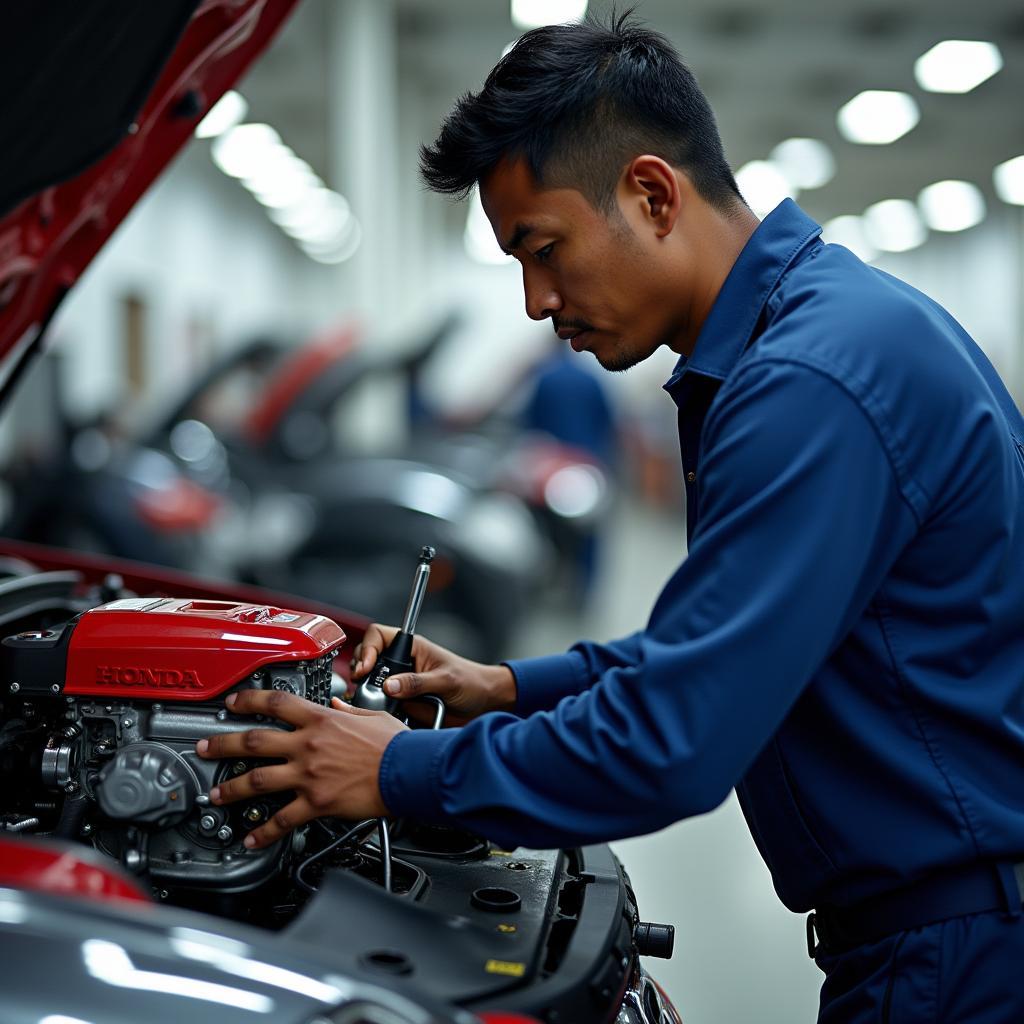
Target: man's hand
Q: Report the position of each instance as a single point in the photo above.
(468, 688)
(332, 759)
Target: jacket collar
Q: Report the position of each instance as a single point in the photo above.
(773, 247)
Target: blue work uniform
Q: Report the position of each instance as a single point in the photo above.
(844, 643)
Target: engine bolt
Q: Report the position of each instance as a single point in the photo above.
(71, 788)
(55, 688)
(222, 715)
(224, 834)
(157, 707)
(239, 768)
(207, 822)
(253, 814)
(127, 723)
(15, 687)
(86, 830)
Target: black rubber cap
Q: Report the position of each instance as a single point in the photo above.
(654, 939)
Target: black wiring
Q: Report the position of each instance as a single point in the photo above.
(384, 850)
(358, 828)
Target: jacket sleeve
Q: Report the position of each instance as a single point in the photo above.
(800, 517)
(542, 682)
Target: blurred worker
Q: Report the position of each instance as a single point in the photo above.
(568, 402)
(844, 643)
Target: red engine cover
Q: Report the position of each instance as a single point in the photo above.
(175, 649)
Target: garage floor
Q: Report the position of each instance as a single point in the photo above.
(739, 954)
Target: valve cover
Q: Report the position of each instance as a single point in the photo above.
(175, 649)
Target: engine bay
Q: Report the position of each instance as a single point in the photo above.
(103, 695)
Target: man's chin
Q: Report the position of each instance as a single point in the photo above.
(618, 358)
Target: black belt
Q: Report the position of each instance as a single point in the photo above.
(973, 889)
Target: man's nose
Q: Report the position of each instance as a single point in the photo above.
(542, 299)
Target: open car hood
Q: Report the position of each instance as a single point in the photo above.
(99, 98)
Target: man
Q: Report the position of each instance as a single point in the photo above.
(844, 643)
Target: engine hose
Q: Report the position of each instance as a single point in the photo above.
(72, 815)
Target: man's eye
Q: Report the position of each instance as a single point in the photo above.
(543, 255)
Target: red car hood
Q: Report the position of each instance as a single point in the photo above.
(105, 93)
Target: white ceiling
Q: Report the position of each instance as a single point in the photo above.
(771, 70)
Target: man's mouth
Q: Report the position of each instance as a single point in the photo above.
(576, 336)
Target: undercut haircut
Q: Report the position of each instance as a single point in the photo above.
(577, 102)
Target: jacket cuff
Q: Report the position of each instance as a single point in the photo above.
(542, 682)
(408, 773)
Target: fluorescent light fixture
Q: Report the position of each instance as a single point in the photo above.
(806, 163)
(894, 225)
(763, 186)
(951, 205)
(848, 230)
(228, 111)
(534, 13)
(241, 150)
(957, 65)
(343, 250)
(295, 199)
(281, 179)
(877, 117)
(323, 219)
(478, 237)
(1008, 179)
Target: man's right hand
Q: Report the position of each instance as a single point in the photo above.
(468, 688)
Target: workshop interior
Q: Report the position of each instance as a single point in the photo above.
(258, 381)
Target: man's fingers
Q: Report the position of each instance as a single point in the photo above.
(258, 782)
(415, 684)
(375, 639)
(288, 707)
(298, 812)
(251, 743)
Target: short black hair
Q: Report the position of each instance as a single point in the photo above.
(577, 102)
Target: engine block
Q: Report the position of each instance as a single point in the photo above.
(106, 709)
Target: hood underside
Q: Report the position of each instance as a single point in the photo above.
(100, 95)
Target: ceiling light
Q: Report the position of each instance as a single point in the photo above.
(877, 116)
(1009, 181)
(240, 151)
(534, 13)
(478, 237)
(279, 166)
(957, 65)
(806, 163)
(951, 205)
(343, 251)
(224, 114)
(849, 230)
(894, 225)
(320, 214)
(763, 186)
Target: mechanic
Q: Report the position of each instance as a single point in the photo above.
(844, 643)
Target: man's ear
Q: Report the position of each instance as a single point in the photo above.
(654, 184)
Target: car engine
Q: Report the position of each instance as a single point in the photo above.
(100, 712)
(103, 695)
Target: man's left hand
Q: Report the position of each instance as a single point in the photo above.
(332, 759)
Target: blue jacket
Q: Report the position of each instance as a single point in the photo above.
(844, 643)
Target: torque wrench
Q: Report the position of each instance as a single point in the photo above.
(397, 656)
